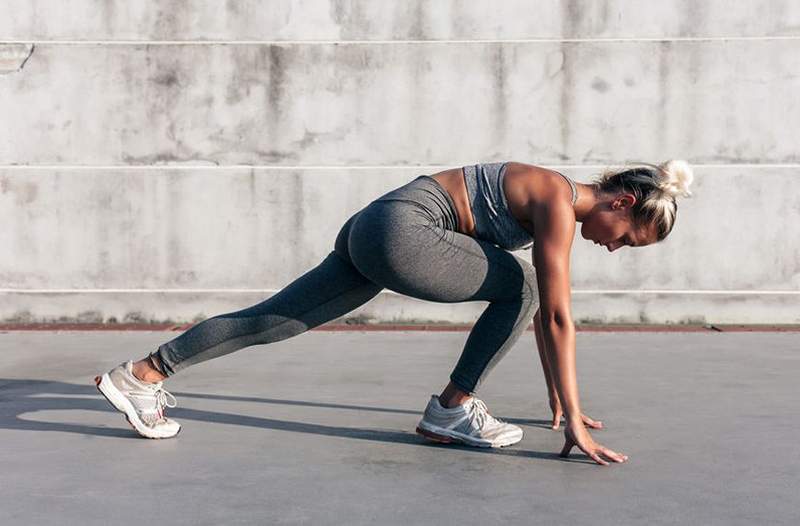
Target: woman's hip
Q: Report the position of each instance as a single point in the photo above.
(396, 245)
(400, 220)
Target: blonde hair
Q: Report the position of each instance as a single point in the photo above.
(655, 187)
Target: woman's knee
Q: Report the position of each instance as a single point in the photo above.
(528, 286)
(530, 291)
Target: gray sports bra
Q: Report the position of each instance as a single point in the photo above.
(493, 219)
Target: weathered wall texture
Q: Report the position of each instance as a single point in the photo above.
(174, 160)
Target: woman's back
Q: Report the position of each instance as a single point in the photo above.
(494, 199)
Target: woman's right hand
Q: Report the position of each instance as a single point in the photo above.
(575, 434)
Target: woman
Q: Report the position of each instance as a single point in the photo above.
(445, 238)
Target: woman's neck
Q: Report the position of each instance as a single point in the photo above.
(588, 196)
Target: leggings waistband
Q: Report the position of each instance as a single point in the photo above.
(426, 192)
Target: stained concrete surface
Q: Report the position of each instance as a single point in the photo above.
(218, 255)
(319, 429)
(154, 146)
(203, 20)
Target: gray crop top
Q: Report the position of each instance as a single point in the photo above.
(493, 219)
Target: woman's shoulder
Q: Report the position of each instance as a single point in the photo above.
(530, 184)
(532, 169)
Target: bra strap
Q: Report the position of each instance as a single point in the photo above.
(572, 185)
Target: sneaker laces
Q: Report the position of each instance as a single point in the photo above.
(162, 401)
(481, 413)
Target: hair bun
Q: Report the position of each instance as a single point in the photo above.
(678, 177)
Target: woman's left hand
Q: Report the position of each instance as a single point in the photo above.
(558, 413)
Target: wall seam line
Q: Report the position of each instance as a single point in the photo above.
(13, 167)
(688, 292)
(543, 40)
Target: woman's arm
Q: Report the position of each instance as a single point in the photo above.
(552, 394)
(551, 252)
(555, 230)
(548, 373)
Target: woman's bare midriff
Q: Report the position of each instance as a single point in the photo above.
(519, 187)
(452, 180)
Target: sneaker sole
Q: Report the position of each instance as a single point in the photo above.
(120, 403)
(444, 436)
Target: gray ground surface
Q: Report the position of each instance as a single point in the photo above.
(319, 429)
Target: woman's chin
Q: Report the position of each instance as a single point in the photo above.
(583, 232)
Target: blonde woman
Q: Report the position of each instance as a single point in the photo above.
(446, 237)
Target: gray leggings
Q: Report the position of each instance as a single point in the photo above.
(404, 241)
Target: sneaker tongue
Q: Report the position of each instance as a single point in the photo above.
(148, 385)
(477, 407)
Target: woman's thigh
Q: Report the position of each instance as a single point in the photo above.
(399, 246)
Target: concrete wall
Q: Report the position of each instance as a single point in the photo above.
(173, 160)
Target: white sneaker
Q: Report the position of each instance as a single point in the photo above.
(143, 403)
(469, 423)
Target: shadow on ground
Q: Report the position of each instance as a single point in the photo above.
(21, 396)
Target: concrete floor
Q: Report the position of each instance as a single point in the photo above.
(319, 429)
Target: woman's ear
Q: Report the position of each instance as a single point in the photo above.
(623, 201)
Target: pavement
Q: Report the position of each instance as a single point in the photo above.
(319, 429)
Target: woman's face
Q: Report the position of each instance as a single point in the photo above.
(610, 224)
